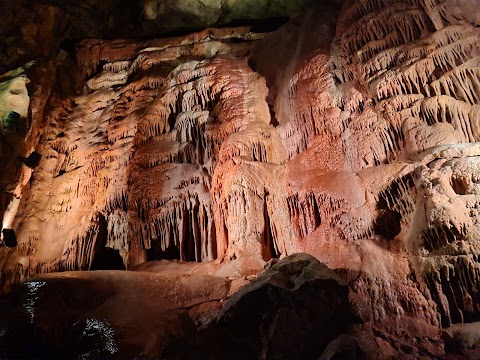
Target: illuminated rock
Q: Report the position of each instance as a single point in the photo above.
(85, 314)
(350, 139)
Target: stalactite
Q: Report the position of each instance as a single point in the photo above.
(170, 124)
(445, 109)
(187, 222)
(171, 153)
(408, 21)
(461, 82)
(303, 213)
(398, 196)
(359, 9)
(453, 285)
(107, 80)
(375, 47)
(79, 246)
(434, 9)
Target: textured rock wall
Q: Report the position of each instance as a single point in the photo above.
(351, 139)
(419, 77)
(133, 155)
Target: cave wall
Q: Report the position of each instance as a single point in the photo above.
(349, 133)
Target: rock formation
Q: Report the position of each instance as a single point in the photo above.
(91, 320)
(349, 133)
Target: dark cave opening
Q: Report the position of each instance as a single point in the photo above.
(273, 119)
(388, 224)
(68, 45)
(191, 246)
(269, 249)
(105, 258)
(316, 211)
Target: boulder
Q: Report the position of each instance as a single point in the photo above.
(292, 310)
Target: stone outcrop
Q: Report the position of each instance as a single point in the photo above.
(169, 128)
(276, 315)
(105, 314)
(153, 18)
(462, 339)
(419, 73)
(348, 134)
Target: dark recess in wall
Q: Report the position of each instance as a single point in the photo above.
(105, 258)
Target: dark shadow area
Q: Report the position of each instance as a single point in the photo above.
(192, 236)
(9, 238)
(257, 26)
(68, 45)
(47, 321)
(105, 258)
(273, 119)
(262, 25)
(459, 185)
(435, 238)
(272, 319)
(269, 249)
(294, 42)
(155, 252)
(32, 161)
(387, 224)
(455, 292)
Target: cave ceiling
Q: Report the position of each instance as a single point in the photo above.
(30, 29)
(147, 18)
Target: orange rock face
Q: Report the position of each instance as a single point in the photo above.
(350, 139)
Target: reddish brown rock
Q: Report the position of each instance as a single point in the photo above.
(231, 147)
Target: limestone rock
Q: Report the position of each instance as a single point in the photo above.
(462, 339)
(287, 299)
(103, 314)
(348, 134)
(293, 309)
(140, 18)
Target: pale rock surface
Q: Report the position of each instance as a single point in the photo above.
(14, 96)
(231, 147)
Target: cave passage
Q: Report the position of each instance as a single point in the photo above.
(107, 259)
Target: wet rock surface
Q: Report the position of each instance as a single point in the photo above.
(295, 308)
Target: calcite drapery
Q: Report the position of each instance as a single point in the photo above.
(355, 147)
(132, 158)
(421, 72)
